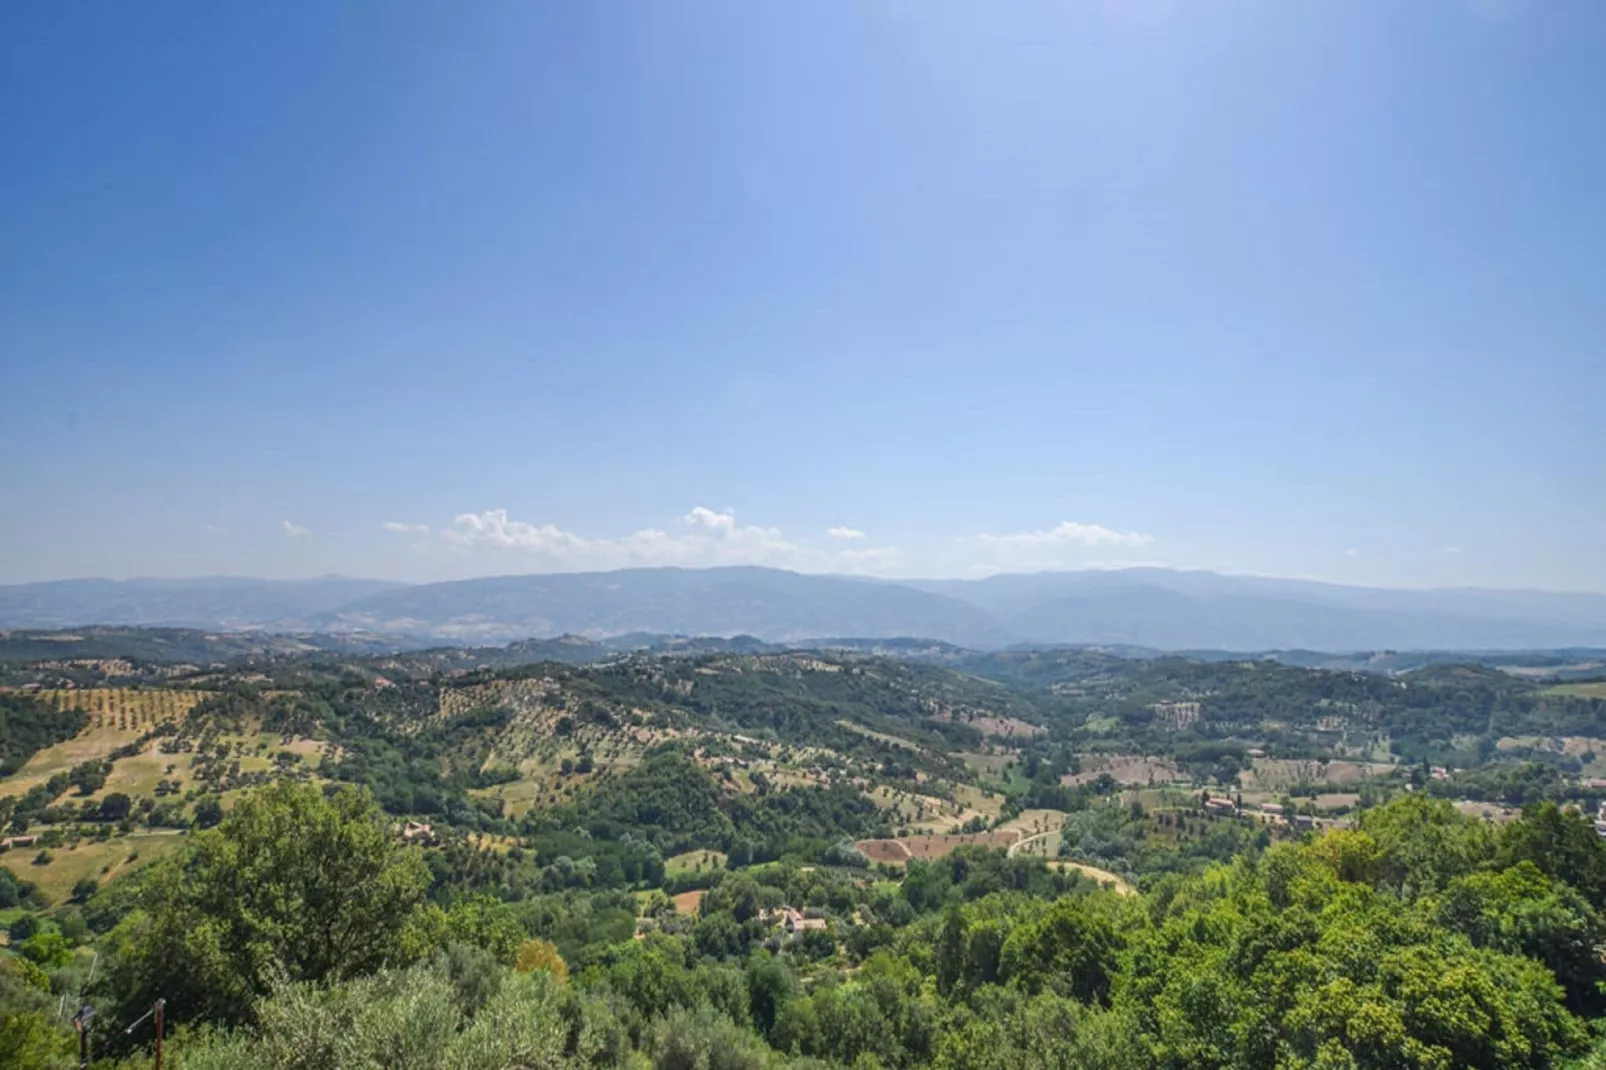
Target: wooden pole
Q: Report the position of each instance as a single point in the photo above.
(159, 1005)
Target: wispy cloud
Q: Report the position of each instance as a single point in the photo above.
(707, 537)
(1068, 533)
(704, 537)
(844, 533)
(1066, 545)
(1352, 552)
(405, 529)
(216, 529)
(1452, 549)
(296, 531)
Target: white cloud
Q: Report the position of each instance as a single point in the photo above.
(703, 517)
(296, 531)
(216, 529)
(1452, 549)
(713, 538)
(1066, 545)
(704, 538)
(1066, 534)
(840, 532)
(1352, 552)
(405, 529)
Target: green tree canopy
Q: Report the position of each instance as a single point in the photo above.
(292, 886)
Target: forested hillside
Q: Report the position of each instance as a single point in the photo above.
(754, 858)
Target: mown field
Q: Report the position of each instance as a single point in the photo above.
(98, 859)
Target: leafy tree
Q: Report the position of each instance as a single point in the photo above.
(31, 1040)
(208, 811)
(1562, 844)
(292, 885)
(74, 926)
(540, 955)
(1520, 911)
(88, 777)
(703, 1039)
(1424, 843)
(1071, 949)
(22, 927)
(769, 986)
(115, 807)
(47, 948)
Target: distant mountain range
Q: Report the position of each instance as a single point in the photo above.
(1153, 608)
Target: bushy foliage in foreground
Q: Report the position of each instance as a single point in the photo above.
(298, 936)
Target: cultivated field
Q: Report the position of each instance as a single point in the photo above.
(1500, 815)
(130, 709)
(1127, 769)
(870, 733)
(117, 717)
(1272, 774)
(1034, 822)
(1028, 826)
(990, 764)
(899, 851)
(1000, 727)
(1595, 689)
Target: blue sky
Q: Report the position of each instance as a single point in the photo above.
(1309, 289)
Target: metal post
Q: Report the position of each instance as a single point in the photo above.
(80, 1021)
(159, 1005)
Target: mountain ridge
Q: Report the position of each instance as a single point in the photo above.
(1150, 607)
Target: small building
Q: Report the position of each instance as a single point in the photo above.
(1275, 809)
(791, 920)
(1220, 806)
(802, 924)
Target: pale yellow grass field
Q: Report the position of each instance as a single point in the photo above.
(1126, 769)
(1103, 876)
(1596, 689)
(89, 859)
(870, 733)
(1034, 822)
(1042, 845)
(109, 709)
(693, 861)
(991, 764)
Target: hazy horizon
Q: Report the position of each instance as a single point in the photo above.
(309, 578)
